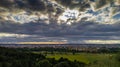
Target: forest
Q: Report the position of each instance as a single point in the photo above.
(51, 57)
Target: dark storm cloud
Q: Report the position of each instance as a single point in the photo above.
(45, 6)
(42, 5)
(6, 3)
(65, 2)
(82, 5)
(53, 29)
(79, 4)
(36, 5)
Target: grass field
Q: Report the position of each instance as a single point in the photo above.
(93, 60)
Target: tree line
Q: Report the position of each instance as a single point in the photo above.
(12, 57)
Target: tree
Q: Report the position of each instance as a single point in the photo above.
(43, 63)
(5, 64)
(118, 57)
(62, 64)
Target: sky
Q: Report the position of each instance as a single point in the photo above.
(72, 21)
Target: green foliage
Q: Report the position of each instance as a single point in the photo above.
(62, 64)
(43, 63)
(10, 57)
(79, 57)
(26, 57)
(89, 59)
(118, 57)
(15, 58)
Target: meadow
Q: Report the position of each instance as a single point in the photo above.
(57, 57)
(92, 60)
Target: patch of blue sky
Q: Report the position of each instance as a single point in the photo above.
(99, 11)
(117, 16)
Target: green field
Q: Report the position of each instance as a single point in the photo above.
(15, 57)
(92, 60)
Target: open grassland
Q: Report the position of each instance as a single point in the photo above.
(71, 57)
(93, 60)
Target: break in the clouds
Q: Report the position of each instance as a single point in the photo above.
(61, 11)
(60, 17)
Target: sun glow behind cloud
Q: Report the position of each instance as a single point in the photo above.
(69, 16)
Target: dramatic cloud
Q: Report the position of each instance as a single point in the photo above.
(36, 5)
(60, 17)
(6, 3)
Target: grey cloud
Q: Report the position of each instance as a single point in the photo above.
(65, 2)
(6, 3)
(79, 4)
(46, 6)
(34, 5)
(53, 29)
(87, 28)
